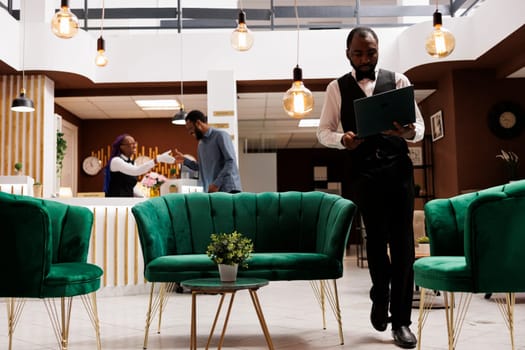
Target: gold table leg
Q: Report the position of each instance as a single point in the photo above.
(260, 315)
(256, 305)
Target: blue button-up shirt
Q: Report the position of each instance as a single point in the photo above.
(217, 162)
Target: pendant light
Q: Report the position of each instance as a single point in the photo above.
(440, 43)
(180, 117)
(64, 23)
(22, 103)
(298, 101)
(242, 38)
(101, 60)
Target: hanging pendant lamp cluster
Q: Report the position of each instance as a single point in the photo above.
(298, 101)
(440, 43)
(22, 103)
(101, 60)
(64, 23)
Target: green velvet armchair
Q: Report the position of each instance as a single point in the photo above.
(43, 254)
(476, 244)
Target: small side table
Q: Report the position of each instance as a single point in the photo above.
(214, 285)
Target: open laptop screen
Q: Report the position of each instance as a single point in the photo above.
(378, 112)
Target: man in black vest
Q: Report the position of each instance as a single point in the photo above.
(381, 181)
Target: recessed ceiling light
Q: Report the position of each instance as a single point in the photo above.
(161, 105)
(308, 123)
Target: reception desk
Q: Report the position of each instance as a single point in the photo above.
(115, 245)
(17, 184)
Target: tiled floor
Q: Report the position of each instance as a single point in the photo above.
(291, 311)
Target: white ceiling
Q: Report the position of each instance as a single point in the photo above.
(263, 124)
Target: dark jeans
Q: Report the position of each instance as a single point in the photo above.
(384, 194)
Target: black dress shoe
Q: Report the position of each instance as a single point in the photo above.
(404, 338)
(379, 316)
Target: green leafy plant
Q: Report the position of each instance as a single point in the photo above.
(61, 151)
(230, 248)
(424, 239)
(18, 167)
(512, 162)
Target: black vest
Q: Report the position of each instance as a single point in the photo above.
(121, 185)
(375, 146)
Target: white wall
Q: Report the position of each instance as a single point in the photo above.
(258, 172)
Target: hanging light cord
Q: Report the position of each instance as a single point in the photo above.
(297, 21)
(102, 19)
(23, 45)
(181, 65)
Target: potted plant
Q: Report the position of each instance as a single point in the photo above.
(228, 251)
(18, 168)
(512, 162)
(37, 189)
(61, 152)
(424, 245)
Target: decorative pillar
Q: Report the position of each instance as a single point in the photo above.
(222, 104)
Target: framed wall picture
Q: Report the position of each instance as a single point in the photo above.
(436, 126)
(416, 154)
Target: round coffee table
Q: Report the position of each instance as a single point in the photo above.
(215, 286)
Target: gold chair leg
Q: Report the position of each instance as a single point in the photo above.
(90, 303)
(424, 309)
(454, 324)
(14, 311)
(324, 292)
(506, 307)
(60, 320)
(319, 294)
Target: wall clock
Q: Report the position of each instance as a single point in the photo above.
(91, 165)
(506, 120)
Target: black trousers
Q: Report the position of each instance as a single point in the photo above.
(384, 193)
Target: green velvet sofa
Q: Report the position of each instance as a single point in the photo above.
(44, 255)
(296, 236)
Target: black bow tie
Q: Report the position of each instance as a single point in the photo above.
(359, 75)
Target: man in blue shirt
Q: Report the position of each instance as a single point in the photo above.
(217, 164)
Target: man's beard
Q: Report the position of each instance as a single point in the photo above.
(198, 134)
(368, 67)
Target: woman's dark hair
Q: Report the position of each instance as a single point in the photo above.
(361, 32)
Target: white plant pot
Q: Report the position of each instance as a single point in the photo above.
(228, 273)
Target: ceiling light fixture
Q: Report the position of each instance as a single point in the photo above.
(101, 60)
(180, 117)
(64, 23)
(242, 38)
(440, 43)
(22, 103)
(298, 101)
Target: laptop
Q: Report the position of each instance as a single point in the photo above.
(377, 113)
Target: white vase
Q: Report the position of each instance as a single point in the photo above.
(228, 273)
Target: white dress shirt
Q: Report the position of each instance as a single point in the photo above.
(330, 132)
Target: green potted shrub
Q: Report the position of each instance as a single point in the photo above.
(228, 251)
(18, 168)
(424, 245)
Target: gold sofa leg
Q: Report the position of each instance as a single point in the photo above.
(323, 292)
(157, 303)
(506, 307)
(14, 310)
